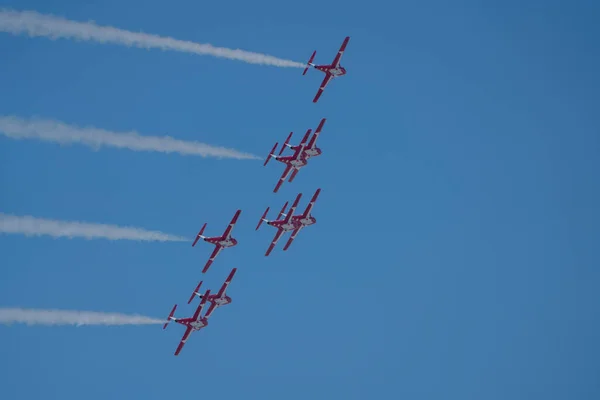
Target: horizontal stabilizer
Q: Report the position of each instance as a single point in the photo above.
(287, 141)
(262, 218)
(271, 154)
(199, 235)
(196, 292)
(282, 212)
(170, 317)
(309, 61)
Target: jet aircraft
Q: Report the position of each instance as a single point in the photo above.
(194, 323)
(290, 222)
(331, 71)
(220, 242)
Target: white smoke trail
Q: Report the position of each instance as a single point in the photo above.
(31, 226)
(66, 317)
(59, 132)
(36, 24)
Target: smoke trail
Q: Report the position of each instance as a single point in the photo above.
(59, 132)
(31, 226)
(66, 317)
(36, 24)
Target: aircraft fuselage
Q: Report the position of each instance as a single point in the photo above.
(305, 221)
(313, 152)
(290, 226)
(299, 221)
(197, 325)
(294, 162)
(299, 162)
(222, 242)
(338, 71)
(228, 242)
(221, 301)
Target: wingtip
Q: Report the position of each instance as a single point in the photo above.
(321, 124)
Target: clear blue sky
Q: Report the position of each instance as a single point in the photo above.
(456, 250)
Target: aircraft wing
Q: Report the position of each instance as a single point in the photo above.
(313, 140)
(274, 242)
(290, 213)
(338, 56)
(196, 316)
(310, 205)
(293, 175)
(305, 138)
(184, 339)
(291, 239)
(210, 310)
(286, 172)
(214, 254)
(227, 233)
(326, 80)
(226, 283)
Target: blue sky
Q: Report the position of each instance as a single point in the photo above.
(456, 250)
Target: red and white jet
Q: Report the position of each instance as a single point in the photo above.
(303, 220)
(194, 323)
(331, 71)
(309, 150)
(220, 242)
(293, 162)
(282, 225)
(215, 300)
(291, 222)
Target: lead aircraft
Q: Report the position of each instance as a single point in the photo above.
(331, 71)
(220, 242)
(194, 323)
(290, 222)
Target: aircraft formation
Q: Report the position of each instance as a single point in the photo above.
(286, 221)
